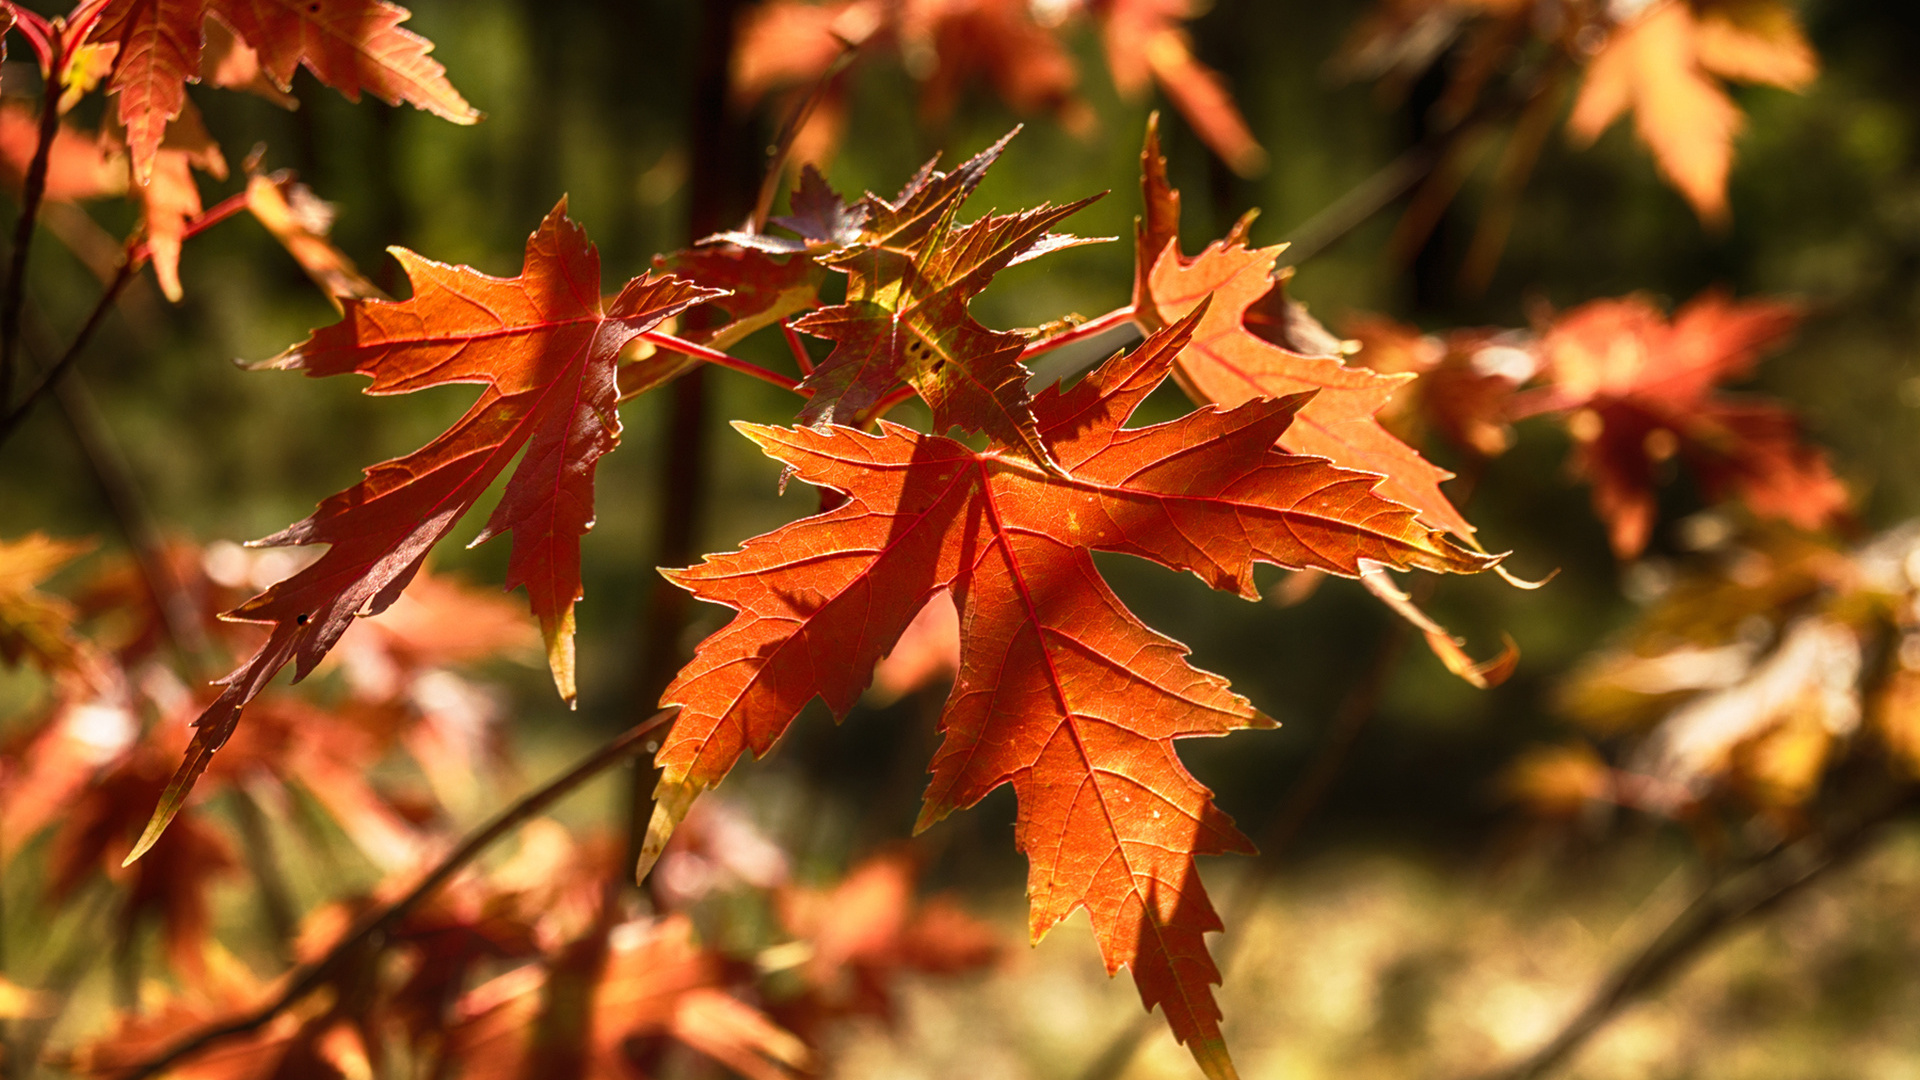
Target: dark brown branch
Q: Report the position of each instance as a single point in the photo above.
(372, 930)
(33, 190)
(13, 419)
(1720, 908)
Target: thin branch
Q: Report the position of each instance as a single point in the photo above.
(14, 293)
(1369, 197)
(885, 405)
(1719, 909)
(1090, 329)
(373, 929)
(8, 424)
(800, 358)
(662, 340)
(231, 206)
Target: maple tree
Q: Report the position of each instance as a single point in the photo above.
(961, 554)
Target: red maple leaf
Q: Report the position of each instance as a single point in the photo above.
(544, 346)
(1144, 38)
(1229, 364)
(605, 1000)
(905, 317)
(1061, 691)
(350, 45)
(1637, 390)
(869, 929)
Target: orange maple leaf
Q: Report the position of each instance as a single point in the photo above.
(1145, 38)
(1061, 691)
(350, 45)
(544, 346)
(1638, 390)
(1662, 67)
(868, 929)
(1228, 364)
(909, 280)
(604, 998)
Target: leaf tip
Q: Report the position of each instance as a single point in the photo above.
(199, 753)
(1518, 582)
(560, 655)
(1210, 1053)
(671, 802)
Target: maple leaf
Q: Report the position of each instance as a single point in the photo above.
(300, 221)
(1661, 66)
(1466, 379)
(37, 626)
(867, 930)
(1061, 691)
(79, 167)
(947, 45)
(168, 196)
(604, 998)
(543, 345)
(1638, 390)
(350, 45)
(909, 280)
(1228, 364)
(1144, 39)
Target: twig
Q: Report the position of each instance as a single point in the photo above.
(372, 929)
(1369, 197)
(32, 191)
(11, 422)
(1090, 329)
(800, 358)
(662, 340)
(1721, 907)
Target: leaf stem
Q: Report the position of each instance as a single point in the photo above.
(662, 340)
(1089, 329)
(201, 222)
(373, 928)
(14, 294)
(799, 348)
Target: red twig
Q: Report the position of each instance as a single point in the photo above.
(799, 348)
(201, 222)
(717, 358)
(1090, 328)
(887, 403)
(13, 293)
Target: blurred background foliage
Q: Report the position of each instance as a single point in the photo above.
(590, 98)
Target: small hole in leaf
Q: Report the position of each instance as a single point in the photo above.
(300, 620)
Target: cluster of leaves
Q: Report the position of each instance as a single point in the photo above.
(530, 968)
(1772, 674)
(1016, 47)
(1298, 454)
(1636, 391)
(1665, 61)
(145, 52)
